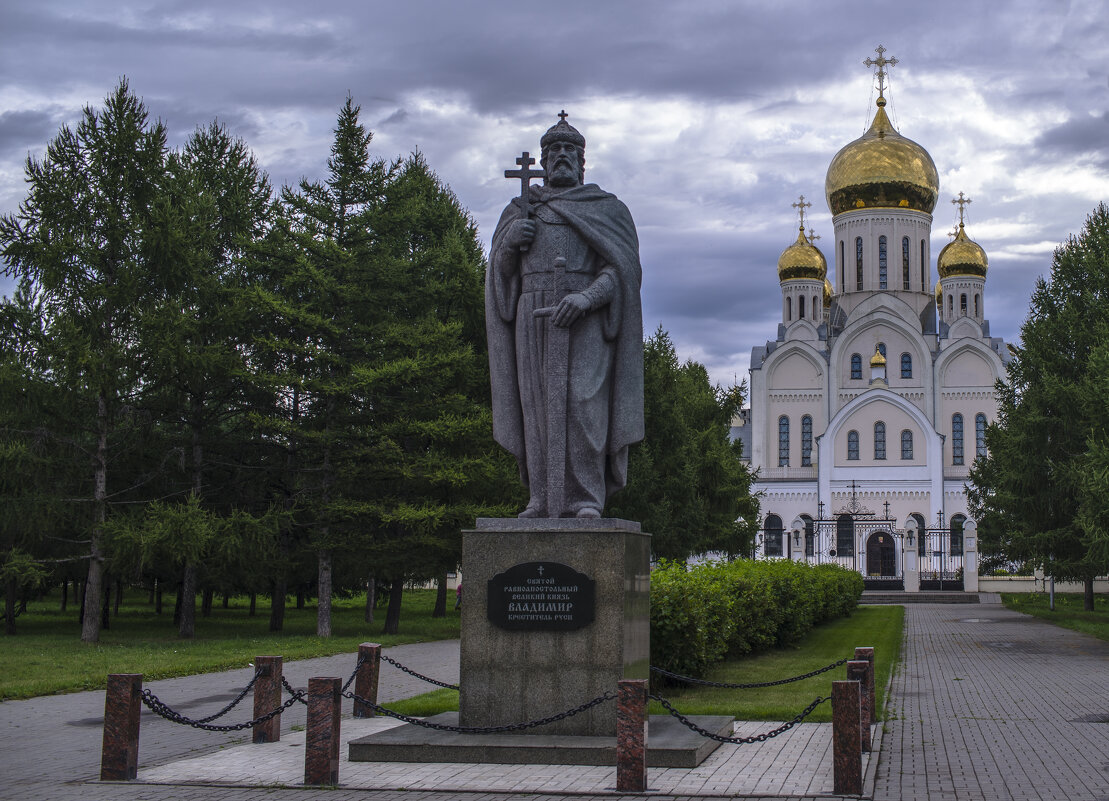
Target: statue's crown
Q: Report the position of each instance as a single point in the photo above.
(562, 131)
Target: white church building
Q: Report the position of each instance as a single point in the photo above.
(869, 407)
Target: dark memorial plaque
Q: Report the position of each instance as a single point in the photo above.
(541, 596)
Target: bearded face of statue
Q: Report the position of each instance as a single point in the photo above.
(564, 165)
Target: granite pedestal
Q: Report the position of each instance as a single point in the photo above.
(517, 675)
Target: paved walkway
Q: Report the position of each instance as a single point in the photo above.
(988, 704)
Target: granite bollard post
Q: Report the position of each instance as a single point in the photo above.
(119, 753)
(365, 682)
(321, 742)
(847, 757)
(631, 736)
(867, 653)
(858, 671)
(267, 697)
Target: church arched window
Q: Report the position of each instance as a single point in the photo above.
(845, 535)
(859, 263)
(906, 444)
(853, 446)
(906, 365)
(950, 305)
(922, 533)
(783, 441)
(882, 262)
(789, 309)
(810, 535)
(923, 267)
(979, 434)
(956, 438)
(905, 262)
(977, 313)
(842, 267)
(772, 531)
(801, 307)
(882, 349)
(856, 366)
(806, 441)
(815, 306)
(957, 534)
(879, 440)
(963, 304)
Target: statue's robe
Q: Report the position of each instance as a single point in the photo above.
(594, 232)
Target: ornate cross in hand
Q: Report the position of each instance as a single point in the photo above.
(525, 174)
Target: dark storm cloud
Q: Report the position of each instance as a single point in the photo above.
(707, 118)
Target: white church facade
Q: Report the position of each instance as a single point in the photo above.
(869, 407)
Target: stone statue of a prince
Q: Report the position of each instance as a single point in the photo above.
(565, 330)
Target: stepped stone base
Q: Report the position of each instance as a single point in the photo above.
(669, 745)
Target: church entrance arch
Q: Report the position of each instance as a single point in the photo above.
(881, 555)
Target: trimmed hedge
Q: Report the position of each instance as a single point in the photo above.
(703, 614)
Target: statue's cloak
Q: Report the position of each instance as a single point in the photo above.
(605, 223)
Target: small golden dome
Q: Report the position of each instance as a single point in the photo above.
(802, 260)
(877, 360)
(939, 296)
(962, 256)
(827, 294)
(882, 168)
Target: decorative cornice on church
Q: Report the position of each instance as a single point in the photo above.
(986, 395)
(794, 397)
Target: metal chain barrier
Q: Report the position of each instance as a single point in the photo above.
(159, 707)
(354, 673)
(758, 738)
(233, 704)
(289, 687)
(411, 672)
(753, 685)
(531, 724)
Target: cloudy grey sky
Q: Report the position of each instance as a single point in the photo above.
(707, 118)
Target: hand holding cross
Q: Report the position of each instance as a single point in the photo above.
(525, 174)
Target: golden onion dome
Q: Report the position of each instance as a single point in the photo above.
(802, 260)
(962, 256)
(877, 360)
(827, 294)
(882, 168)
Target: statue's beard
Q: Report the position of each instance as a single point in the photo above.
(563, 174)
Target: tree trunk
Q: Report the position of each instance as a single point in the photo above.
(440, 609)
(226, 600)
(105, 623)
(9, 606)
(65, 593)
(392, 614)
(187, 628)
(158, 597)
(277, 605)
(90, 621)
(371, 598)
(300, 597)
(119, 598)
(206, 602)
(323, 608)
(253, 603)
(1088, 594)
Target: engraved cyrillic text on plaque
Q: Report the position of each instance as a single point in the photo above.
(541, 596)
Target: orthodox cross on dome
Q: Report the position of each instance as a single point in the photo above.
(562, 115)
(881, 63)
(961, 202)
(801, 205)
(812, 237)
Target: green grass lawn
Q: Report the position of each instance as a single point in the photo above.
(46, 655)
(1068, 611)
(877, 626)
